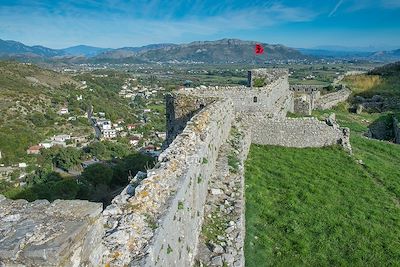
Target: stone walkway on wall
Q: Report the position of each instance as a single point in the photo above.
(222, 238)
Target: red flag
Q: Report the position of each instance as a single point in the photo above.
(259, 49)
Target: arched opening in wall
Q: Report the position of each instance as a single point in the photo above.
(201, 106)
(255, 99)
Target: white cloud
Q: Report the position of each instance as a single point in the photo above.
(63, 29)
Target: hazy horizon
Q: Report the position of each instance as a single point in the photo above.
(330, 47)
(120, 23)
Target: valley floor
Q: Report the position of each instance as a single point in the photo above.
(319, 207)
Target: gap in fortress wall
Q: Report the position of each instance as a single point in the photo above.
(158, 220)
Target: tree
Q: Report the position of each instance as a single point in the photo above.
(98, 174)
(98, 150)
(65, 189)
(38, 119)
(68, 158)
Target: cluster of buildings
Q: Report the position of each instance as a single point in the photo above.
(129, 91)
(56, 140)
(107, 129)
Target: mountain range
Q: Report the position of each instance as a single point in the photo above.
(220, 51)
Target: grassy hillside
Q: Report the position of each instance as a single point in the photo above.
(318, 207)
(30, 98)
(383, 81)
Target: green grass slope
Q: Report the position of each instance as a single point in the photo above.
(317, 207)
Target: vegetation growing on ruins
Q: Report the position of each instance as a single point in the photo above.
(319, 207)
(213, 227)
(258, 82)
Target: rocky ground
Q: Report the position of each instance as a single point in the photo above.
(222, 237)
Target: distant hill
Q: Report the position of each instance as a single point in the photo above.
(221, 51)
(334, 53)
(392, 69)
(125, 52)
(84, 50)
(387, 55)
(10, 49)
(214, 52)
(383, 56)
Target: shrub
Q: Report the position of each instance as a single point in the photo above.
(258, 82)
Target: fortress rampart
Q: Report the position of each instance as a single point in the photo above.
(159, 225)
(157, 221)
(330, 100)
(308, 98)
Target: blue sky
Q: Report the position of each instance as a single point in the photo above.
(118, 23)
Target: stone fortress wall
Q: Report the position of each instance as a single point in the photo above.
(156, 221)
(159, 225)
(332, 99)
(293, 132)
(274, 99)
(308, 98)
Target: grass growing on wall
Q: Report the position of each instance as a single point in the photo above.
(317, 207)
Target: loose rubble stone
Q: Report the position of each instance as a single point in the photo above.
(216, 261)
(216, 191)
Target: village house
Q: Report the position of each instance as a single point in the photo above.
(83, 85)
(61, 137)
(131, 126)
(104, 124)
(109, 133)
(63, 111)
(120, 121)
(46, 144)
(34, 150)
(134, 140)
